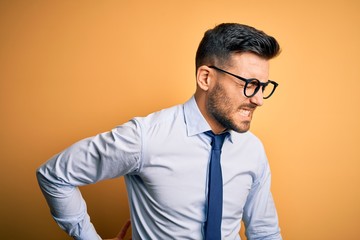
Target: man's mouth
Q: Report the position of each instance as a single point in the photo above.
(245, 113)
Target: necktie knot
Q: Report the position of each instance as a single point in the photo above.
(217, 139)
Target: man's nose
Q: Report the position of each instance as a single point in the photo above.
(257, 98)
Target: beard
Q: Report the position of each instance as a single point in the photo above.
(221, 108)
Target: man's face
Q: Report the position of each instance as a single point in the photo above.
(226, 102)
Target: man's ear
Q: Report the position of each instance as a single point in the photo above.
(203, 77)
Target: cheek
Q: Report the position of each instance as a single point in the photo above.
(236, 99)
(228, 98)
(235, 93)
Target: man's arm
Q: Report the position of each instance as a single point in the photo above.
(260, 216)
(107, 155)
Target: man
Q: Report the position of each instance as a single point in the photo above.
(165, 158)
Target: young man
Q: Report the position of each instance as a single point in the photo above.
(177, 187)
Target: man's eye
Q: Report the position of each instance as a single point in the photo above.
(252, 85)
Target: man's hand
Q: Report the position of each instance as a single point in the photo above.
(122, 234)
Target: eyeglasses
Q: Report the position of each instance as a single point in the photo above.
(252, 85)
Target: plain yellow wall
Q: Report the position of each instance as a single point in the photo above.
(72, 69)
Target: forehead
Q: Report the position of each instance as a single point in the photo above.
(249, 65)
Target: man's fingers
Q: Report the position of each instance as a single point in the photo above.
(124, 229)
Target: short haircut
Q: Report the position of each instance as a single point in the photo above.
(219, 43)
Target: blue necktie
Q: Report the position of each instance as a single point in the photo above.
(212, 226)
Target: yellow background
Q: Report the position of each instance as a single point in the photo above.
(72, 69)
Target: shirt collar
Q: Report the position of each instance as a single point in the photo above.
(194, 120)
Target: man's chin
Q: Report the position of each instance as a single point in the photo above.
(243, 127)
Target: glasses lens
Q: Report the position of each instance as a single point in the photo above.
(268, 90)
(251, 88)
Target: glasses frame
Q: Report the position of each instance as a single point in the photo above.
(249, 80)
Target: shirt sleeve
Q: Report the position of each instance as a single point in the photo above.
(260, 216)
(107, 155)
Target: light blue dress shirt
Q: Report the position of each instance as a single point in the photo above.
(164, 159)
